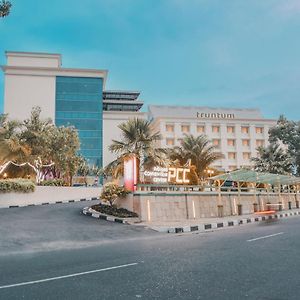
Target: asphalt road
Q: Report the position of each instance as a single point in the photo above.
(54, 252)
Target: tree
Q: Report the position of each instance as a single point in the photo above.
(288, 133)
(62, 149)
(272, 159)
(199, 150)
(138, 140)
(5, 7)
(12, 147)
(111, 192)
(16, 148)
(47, 149)
(83, 167)
(35, 134)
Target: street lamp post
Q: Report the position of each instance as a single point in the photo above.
(210, 173)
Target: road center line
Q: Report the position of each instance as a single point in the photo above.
(265, 237)
(66, 276)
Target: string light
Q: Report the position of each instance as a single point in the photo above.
(37, 162)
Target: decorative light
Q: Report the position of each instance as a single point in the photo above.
(36, 167)
(209, 172)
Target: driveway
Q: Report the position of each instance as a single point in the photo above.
(59, 226)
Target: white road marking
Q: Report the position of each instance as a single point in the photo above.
(265, 237)
(66, 276)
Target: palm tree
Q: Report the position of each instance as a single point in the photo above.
(4, 8)
(138, 140)
(272, 159)
(197, 149)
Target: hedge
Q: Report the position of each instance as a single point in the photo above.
(52, 182)
(17, 185)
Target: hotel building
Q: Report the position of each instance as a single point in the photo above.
(78, 97)
(235, 132)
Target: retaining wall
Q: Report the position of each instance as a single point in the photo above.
(172, 206)
(48, 194)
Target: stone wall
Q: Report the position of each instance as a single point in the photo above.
(174, 206)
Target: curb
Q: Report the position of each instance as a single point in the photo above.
(56, 202)
(95, 214)
(237, 222)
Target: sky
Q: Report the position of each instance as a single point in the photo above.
(218, 53)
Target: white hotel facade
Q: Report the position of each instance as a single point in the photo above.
(78, 97)
(236, 133)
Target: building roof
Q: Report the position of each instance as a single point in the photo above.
(203, 112)
(244, 175)
(40, 64)
(121, 101)
(120, 95)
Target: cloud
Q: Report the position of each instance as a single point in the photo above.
(288, 8)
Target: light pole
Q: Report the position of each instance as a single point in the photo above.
(210, 173)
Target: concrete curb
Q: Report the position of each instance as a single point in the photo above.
(203, 227)
(56, 202)
(235, 222)
(95, 214)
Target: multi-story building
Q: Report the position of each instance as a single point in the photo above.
(235, 132)
(69, 97)
(78, 97)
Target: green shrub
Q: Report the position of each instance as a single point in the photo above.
(111, 192)
(17, 185)
(52, 182)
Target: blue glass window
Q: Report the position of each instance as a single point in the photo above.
(79, 103)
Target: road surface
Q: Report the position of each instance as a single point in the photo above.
(54, 252)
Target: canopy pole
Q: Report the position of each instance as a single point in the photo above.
(279, 193)
(219, 193)
(255, 193)
(289, 191)
(239, 192)
(268, 191)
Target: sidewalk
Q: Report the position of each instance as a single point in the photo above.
(205, 224)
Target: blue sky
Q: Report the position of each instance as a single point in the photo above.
(228, 53)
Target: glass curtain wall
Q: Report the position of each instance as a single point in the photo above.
(79, 103)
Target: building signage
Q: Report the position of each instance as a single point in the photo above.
(167, 175)
(130, 174)
(215, 115)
